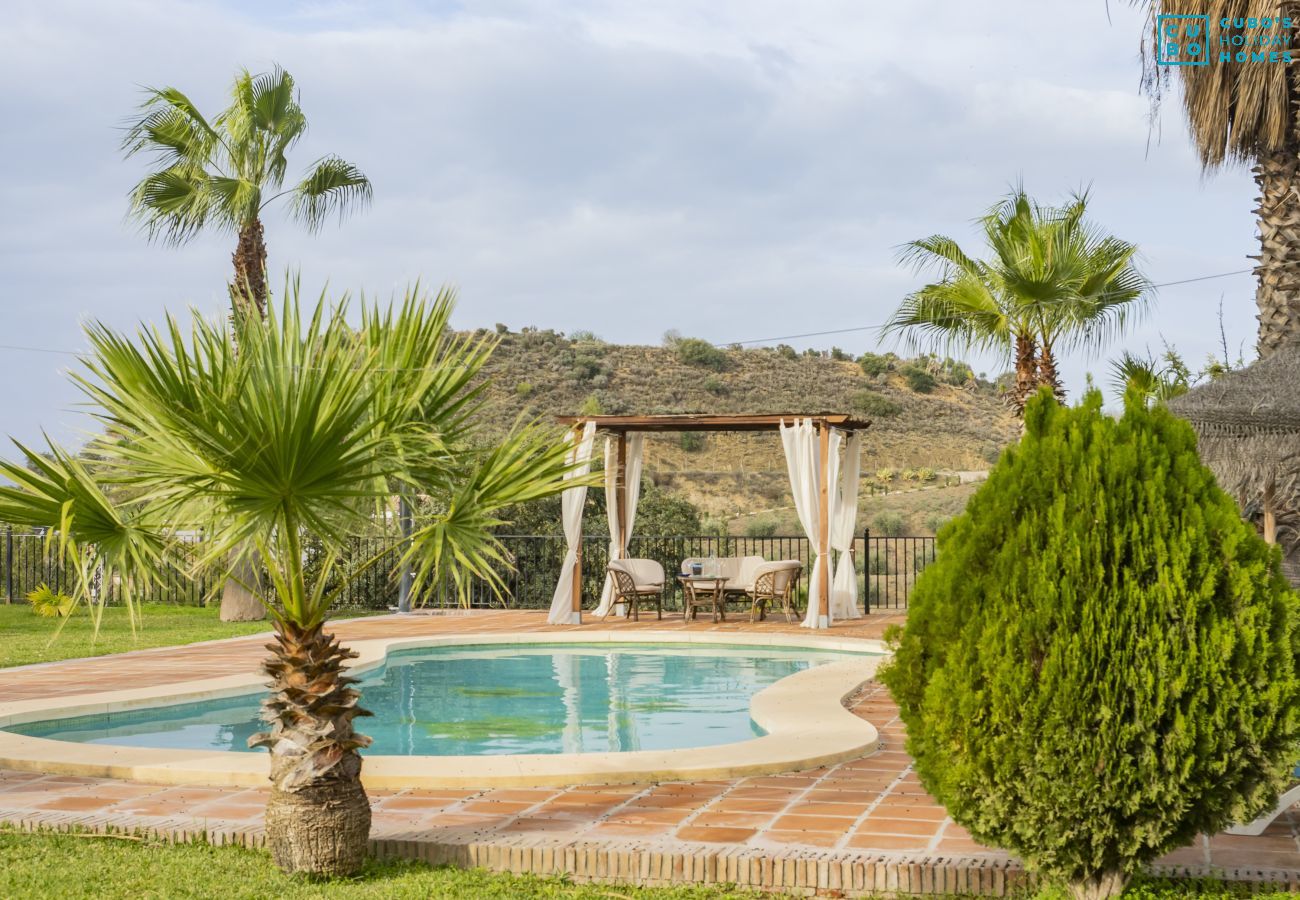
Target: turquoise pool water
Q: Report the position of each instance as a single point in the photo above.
(502, 699)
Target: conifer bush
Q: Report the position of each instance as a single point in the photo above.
(1102, 661)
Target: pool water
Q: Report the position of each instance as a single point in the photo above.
(502, 699)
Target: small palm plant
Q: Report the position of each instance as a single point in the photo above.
(306, 432)
(222, 174)
(49, 603)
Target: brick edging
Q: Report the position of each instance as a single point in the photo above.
(797, 871)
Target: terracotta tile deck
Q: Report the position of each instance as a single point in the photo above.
(858, 826)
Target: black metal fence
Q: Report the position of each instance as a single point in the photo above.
(887, 567)
(891, 567)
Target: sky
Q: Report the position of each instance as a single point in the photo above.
(731, 169)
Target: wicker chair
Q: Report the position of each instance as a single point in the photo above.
(773, 582)
(637, 582)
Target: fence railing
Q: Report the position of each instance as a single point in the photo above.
(892, 567)
(887, 567)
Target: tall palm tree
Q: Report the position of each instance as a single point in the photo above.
(222, 174)
(1247, 113)
(305, 433)
(1051, 282)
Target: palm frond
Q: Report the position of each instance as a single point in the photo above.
(332, 187)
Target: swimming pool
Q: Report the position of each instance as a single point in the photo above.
(500, 700)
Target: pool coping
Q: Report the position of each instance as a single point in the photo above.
(806, 722)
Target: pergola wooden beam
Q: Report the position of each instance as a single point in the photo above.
(701, 422)
(622, 425)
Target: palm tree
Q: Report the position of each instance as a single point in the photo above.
(1051, 282)
(303, 434)
(222, 174)
(1155, 381)
(1246, 112)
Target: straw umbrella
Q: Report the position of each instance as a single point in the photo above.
(1248, 426)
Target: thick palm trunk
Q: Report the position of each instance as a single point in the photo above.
(1278, 292)
(1026, 374)
(1048, 375)
(248, 292)
(238, 603)
(318, 817)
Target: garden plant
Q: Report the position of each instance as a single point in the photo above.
(1102, 662)
(306, 431)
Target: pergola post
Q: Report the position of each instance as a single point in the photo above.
(824, 526)
(620, 491)
(577, 559)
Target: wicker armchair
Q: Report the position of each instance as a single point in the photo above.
(637, 582)
(775, 582)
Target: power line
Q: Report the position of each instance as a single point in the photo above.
(808, 334)
(787, 337)
(38, 350)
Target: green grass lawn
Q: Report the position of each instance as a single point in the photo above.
(26, 637)
(49, 865)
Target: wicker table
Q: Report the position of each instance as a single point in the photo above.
(703, 591)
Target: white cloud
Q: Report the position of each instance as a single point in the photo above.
(703, 165)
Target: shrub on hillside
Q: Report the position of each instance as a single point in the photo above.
(763, 527)
(874, 364)
(692, 441)
(697, 352)
(716, 386)
(1102, 662)
(918, 379)
(889, 523)
(871, 403)
(935, 521)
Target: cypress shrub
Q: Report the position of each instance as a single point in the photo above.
(1102, 662)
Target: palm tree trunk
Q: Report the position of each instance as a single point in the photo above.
(1026, 374)
(238, 603)
(1104, 884)
(248, 292)
(318, 817)
(1278, 271)
(1047, 373)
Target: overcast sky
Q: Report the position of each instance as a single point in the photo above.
(733, 169)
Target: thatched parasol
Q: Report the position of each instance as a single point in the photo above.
(1248, 429)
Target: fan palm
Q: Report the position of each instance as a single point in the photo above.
(1154, 380)
(1051, 282)
(222, 174)
(305, 433)
(1247, 112)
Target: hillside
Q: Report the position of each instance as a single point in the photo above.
(953, 427)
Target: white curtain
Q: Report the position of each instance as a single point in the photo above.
(844, 518)
(562, 612)
(633, 480)
(801, 451)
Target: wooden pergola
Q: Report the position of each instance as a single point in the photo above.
(621, 426)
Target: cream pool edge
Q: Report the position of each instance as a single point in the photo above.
(803, 714)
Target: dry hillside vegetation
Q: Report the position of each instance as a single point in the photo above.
(950, 428)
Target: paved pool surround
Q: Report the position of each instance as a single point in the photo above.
(865, 826)
(803, 714)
